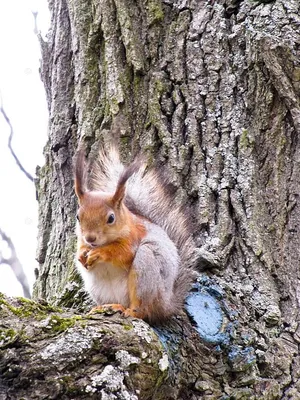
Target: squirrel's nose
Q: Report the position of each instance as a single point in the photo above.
(90, 238)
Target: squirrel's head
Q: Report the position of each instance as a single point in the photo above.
(102, 217)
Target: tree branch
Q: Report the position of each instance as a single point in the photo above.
(28, 175)
(15, 264)
(35, 14)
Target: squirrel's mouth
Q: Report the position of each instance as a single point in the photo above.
(91, 245)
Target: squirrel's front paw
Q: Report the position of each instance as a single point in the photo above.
(82, 257)
(92, 258)
(88, 258)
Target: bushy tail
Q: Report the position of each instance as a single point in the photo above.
(146, 195)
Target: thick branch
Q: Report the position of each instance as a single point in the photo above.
(86, 357)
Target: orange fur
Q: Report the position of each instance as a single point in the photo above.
(134, 309)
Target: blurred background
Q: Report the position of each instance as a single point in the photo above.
(24, 103)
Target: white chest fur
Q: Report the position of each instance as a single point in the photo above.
(106, 283)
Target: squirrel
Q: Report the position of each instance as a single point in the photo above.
(135, 250)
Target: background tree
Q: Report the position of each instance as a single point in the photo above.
(210, 90)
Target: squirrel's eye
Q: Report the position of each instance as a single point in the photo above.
(77, 217)
(111, 218)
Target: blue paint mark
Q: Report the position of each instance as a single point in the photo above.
(217, 321)
(204, 306)
(206, 313)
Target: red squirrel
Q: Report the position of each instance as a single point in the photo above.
(135, 251)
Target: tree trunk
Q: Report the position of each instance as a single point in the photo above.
(211, 91)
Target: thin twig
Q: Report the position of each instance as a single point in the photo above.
(15, 264)
(30, 177)
(35, 30)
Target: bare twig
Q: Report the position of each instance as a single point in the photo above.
(35, 14)
(14, 262)
(30, 177)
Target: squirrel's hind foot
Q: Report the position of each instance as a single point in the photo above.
(115, 307)
(107, 308)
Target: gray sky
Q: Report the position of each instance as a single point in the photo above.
(24, 101)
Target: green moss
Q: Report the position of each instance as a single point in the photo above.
(246, 141)
(161, 377)
(125, 79)
(155, 11)
(258, 253)
(25, 308)
(7, 336)
(154, 110)
(160, 87)
(125, 142)
(69, 386)
(147, 124)
(282, 141)
(57, 324)
(271, 229)
(296, 74)
(137, 80)
(114, 105)
(127, 327)
(65, 379)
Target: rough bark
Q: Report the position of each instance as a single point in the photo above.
(51, 353)
(42, 347)
(210, 90)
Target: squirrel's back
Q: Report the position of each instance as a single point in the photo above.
(147, 196)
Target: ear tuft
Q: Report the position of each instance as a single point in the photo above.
(80, 173)
(121, 186)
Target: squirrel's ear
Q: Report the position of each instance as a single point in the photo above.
(121, 186)
(119, 194)
(79, 173)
